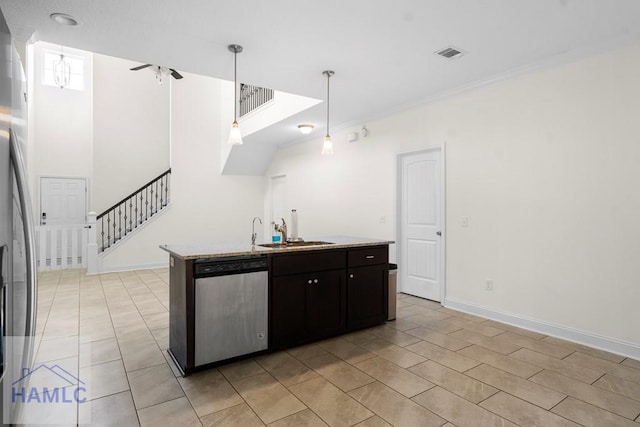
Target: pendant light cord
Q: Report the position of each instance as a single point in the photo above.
(328, 73)
(328, 78)
(235, 86)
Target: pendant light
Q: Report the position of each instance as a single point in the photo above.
(61, 71)
(327, 146)
(235, 136)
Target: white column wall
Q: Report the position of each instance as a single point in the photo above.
(545, 166)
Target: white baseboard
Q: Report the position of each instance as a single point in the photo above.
(611, 345)
(119, 268)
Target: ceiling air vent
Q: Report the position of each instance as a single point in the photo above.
(450, 52)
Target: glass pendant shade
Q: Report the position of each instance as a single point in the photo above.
(235, 136)
(327, 146)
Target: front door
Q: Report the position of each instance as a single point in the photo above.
(421, 260)
(63, 201)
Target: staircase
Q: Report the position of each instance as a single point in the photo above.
(121, 219)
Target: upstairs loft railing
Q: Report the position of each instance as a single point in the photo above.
(253, 97)
(132, 211)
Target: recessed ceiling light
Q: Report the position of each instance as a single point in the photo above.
(305, 129)
(64, 19)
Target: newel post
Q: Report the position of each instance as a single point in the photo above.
(92, 246)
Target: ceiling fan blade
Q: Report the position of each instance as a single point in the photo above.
(176, 75)
(140, 67)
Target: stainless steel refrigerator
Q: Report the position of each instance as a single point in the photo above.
(17, 253)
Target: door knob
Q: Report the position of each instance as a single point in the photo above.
(438, 233)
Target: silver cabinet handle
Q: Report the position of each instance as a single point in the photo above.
(351, 276)
(315, 281)
(370, 257)
(309, 281)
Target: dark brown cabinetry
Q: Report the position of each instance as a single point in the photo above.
(367, 287)
(310, 303)
(325, 302)
(312, 295)
(319, 294)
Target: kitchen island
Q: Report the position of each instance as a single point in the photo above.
(231, 300)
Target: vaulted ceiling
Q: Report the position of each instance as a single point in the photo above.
(382, 51)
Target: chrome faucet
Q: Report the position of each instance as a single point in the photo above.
(282, 229)
(254, 235)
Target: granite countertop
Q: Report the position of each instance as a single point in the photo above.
(225, 249)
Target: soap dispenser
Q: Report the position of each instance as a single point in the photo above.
(275, 234)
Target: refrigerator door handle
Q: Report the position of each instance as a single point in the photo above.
(29, 234)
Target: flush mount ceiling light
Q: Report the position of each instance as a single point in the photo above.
(305, 129)
(64, 19)
(327, 146)
(235, 136)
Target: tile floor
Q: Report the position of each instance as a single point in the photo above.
(432, 366)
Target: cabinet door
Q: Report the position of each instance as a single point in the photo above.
(367, 295)
(287, 311)
(326, 308)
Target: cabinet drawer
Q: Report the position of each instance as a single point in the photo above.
(308, 262)
(369, 256)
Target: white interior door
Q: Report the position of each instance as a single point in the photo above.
(421, 260)
(63, 201)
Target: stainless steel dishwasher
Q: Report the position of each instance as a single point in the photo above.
(231, 305)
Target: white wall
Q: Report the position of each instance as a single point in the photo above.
(130, 129)
(205, 205)
(115, 132)
(60, 128)
(545, 167)
(346, 194)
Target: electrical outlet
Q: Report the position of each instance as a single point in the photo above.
(489, 285)
(464, 221)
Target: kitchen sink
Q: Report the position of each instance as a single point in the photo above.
(294, 244)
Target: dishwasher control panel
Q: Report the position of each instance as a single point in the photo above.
(227, 266)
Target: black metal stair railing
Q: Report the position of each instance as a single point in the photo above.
(129, 213)
(253, 97)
